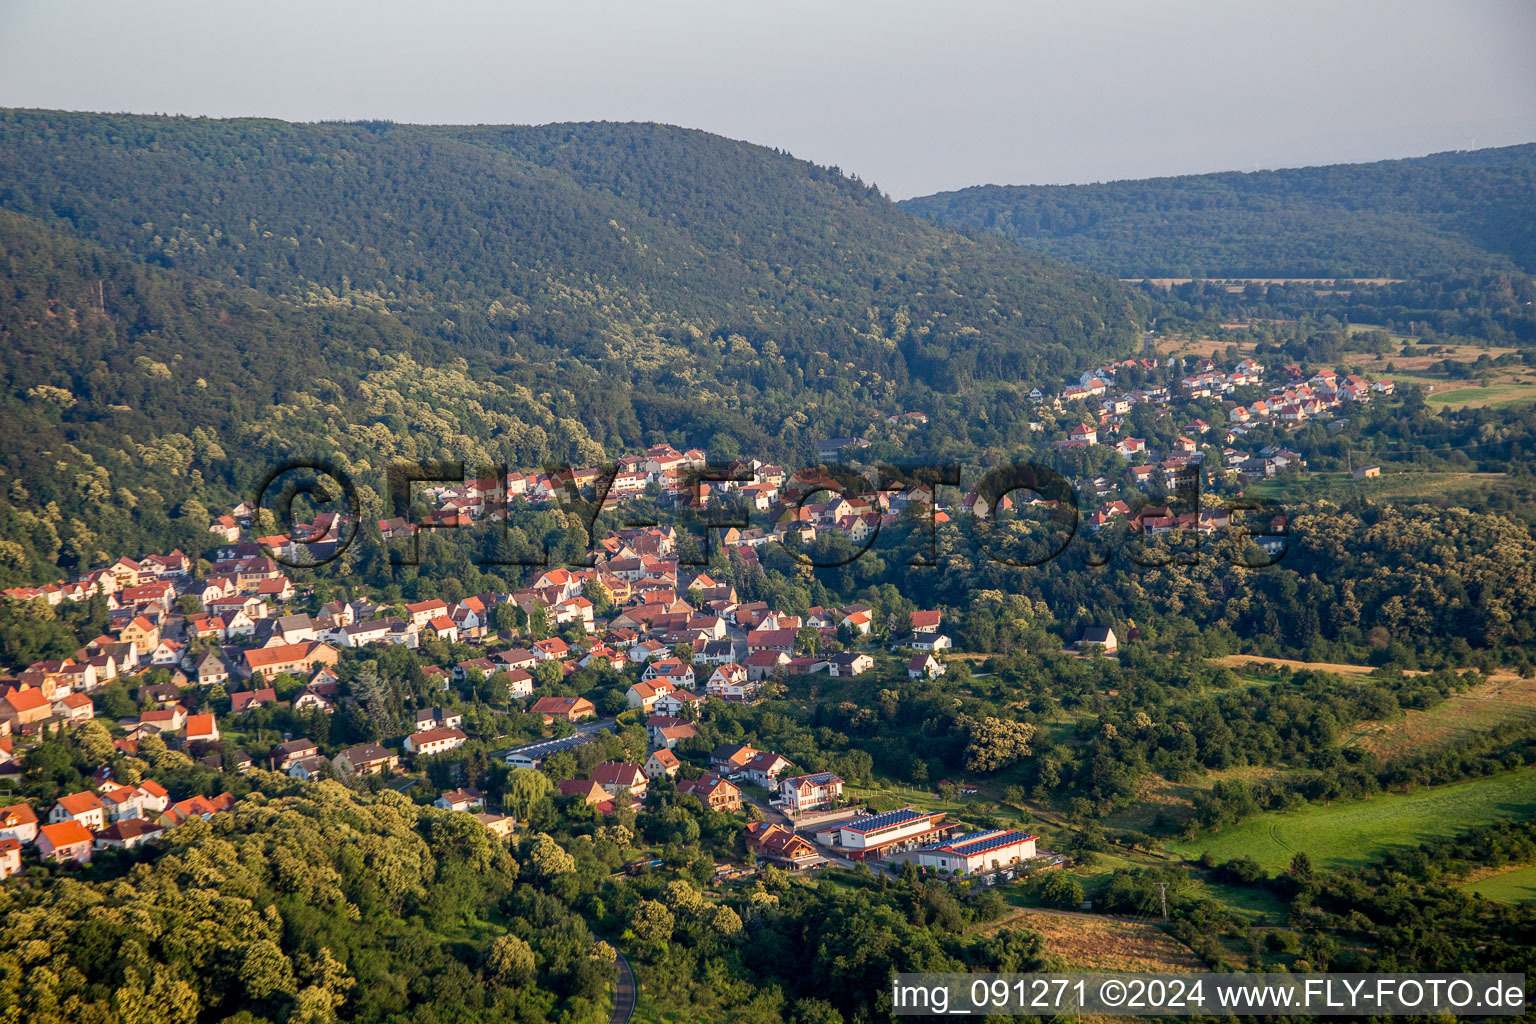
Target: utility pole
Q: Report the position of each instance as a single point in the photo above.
(1164, 887)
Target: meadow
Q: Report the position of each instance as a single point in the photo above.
(1352, 834)
(1517, 886)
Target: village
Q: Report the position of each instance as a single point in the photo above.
(246, 633)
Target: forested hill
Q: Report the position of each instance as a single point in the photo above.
(677, 263)
(1434, 215)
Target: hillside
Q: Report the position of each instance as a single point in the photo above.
(654, 255)
(187, 301)
(1451, 212)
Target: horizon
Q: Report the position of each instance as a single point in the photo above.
(913, 100)
(792, 155)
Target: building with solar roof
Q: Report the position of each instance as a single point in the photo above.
(979, 851)
(880, 835)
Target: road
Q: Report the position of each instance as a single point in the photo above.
(624, 993)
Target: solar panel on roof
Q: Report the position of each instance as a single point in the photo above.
(874, 822)
(988, 841)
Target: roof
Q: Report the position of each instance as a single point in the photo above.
(201, 725)
(80, 803)
(366, 752)
(130, 828)
(17, 814)
(972, 843)
(890, 819)
(818, 779)
(27, 700)
(617, 773)
(433, 735)
(66, 833)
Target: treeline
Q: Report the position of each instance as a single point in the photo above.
(1446, 213)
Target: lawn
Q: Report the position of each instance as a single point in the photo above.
(1353, 834)
(1517, 886)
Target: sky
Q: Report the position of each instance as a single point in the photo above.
(915, 97)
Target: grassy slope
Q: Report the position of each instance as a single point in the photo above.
(1352, 834)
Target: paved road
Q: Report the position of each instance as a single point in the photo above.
(624, 993)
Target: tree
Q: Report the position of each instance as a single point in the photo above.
(525, 787)
(548, 858)
(652, 922)
(996, 743)
(510, 961)
(1062, 890)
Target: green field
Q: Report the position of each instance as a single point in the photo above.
(1355, 833)
(1478, 397)
(1517, 886)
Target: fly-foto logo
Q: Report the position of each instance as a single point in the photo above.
(1019, 515)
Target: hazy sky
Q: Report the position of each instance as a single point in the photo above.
(914, 96)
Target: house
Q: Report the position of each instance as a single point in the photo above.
(729, 681)
(198, 806)
(249, 700)
(202, 729)
(779, 845)
(126, 834)
(667, 732)
(924, 666)
(731, 757)
(67, 842)
(368, 759)
(209, 669)
(435, 741)
(620, 779)
(763, 664)
(74, 707)
(1101, 637)
(85, 808)
(678, 701)
(500, 825)
(713, 792)
(662, 762)
(570, 709)
(286, 753)
(590, 792)
(143, 634)
(306, 768)
(850, 663)
(765, 769)
(297, 659)
(858, 621)
(10, 858)
(18, 822)
(24, 707)
(466, 799)
(817, 792)
(1366, 472)
(926, 621)
(437, 718)
(988, 850)
(643, 694)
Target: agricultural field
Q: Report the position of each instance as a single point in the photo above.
(1502, 699)
(1516, 886)
(1351, 834)
(1084, 943)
